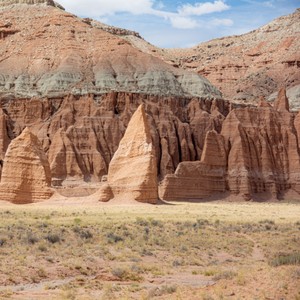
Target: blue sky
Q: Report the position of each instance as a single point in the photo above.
(167, 23)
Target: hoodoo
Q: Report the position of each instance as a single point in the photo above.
(132, 171)
(26, 175)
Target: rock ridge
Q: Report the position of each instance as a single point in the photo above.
(4, 3)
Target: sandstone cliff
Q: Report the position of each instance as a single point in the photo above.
(81, 134)
(199, 179)
(26, 175)
(256, 155)
(251, 65)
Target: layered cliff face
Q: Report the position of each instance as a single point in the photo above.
(247, 66)
(251, 65)
(255, 155)
(78, 96)
(81, 134)
(199, 179)
(45, 51)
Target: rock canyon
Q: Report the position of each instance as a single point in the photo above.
(140, 124)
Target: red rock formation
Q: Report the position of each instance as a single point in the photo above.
(81, 134)
(199, 179)
(261, 160)
(247, 66)
(26, 175)
(282, 102)
(132, 172)
(262, 152)
(104, 194)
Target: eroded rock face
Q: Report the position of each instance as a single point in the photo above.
(263, 150)
(199, 179)
(51, 53)
(26, 175)
(30, 2)
(132, 172)
(81, 135)
(259, 157)
(247, 66)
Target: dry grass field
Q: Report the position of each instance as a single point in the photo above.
(215, 250)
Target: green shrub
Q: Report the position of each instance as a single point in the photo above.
(53, 238)
(285, 259)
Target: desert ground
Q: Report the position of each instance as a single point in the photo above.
(80, 249)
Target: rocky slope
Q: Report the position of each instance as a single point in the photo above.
(247, 66)
(45, 51)
(251, 65)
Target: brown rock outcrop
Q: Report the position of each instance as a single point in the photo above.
(282, 102)
(199, 179)
(132, 172)
(26, 175)
(29, 2)
(262, 150)
(104, 194)
(81, 134)
(244, 67)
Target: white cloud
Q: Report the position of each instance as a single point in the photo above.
(183, 18)
(183, 22)
(104, 7)
(199, 9)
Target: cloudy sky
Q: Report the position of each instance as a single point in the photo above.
(183, 23)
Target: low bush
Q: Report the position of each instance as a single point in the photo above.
(285, 259)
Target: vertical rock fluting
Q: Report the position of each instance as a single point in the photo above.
(263, 150)
(81, 134)
(261, 158)
(199, 179)
(132, 172)
(26, 175)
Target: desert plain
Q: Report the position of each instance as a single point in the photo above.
(82, 249)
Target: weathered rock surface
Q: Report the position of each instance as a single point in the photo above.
(293, 95)
(259, 157)
(51, 53)
(81, 135)
(247, 66)
(30, 2)
(78, 96)
(132, 172)
(26, 175)
(199, 179)
(104, 194)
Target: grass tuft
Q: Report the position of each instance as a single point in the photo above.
(285, 259)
